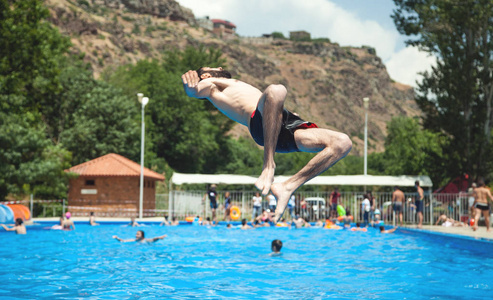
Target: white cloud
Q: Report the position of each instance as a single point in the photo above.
(321, 18)
(405, 65)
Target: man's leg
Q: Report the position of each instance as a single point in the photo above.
(486, 214)
(331, 147)
(270, 105)
(420, 217)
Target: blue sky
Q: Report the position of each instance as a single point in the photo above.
(347, 22)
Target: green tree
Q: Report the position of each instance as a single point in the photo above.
(410, 150)
(30, 50)
(29, 162)
(278, 35)
(457, 95)
(93, 118)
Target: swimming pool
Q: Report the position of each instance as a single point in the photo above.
(212, 263)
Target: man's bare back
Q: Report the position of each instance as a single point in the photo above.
(398, 196)
(481, 195)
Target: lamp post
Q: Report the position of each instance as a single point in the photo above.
(143, 100)
(366, 104)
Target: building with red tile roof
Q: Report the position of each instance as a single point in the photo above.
(111, 182)
(223, 28)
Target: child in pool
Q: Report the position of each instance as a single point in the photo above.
(276, 247)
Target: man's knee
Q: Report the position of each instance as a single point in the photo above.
(343, 144)
(276, 92)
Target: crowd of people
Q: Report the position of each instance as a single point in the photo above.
(334, 217)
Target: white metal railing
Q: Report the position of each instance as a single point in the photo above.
(182, 204)
(190, 203)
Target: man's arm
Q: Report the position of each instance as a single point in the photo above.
(489, 195)
(122, 240)
(156, 238)
(7, 228)
(194, 87)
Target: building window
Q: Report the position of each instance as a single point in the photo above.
(90, 182)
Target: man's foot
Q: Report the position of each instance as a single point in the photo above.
(265, 180)
(282, 196)
(474, 228)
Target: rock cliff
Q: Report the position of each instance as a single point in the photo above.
(326, 82)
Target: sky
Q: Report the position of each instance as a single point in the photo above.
(346, 22)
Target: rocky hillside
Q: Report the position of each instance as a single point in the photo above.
(326, 82)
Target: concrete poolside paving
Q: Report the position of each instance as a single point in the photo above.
(480, 233)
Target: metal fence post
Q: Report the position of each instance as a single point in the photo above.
(31, 200)
(431, 207)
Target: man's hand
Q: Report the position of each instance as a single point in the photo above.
(190, 78)
(194, 87)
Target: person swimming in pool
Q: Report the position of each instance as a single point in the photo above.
(271, 126)
(92, 219)
(68, 224)
(140, 237)
(244, 225)
(133, 223)
(382, 230)
(276, 246)
(19, 227)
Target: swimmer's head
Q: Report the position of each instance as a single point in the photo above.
(276, 245)
(382, 228)
(140, 235)
(68, 215)
(228, 226)
(92, 213)
(243, 222)
(207, 72)
(358, 224)
(18, 221)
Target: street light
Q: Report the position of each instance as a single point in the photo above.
(366, 104)
(143, 100)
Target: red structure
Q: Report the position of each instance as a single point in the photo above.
(223, 28)
(109, 185)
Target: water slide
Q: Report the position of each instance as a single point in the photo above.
(6, 215)
(20, 211)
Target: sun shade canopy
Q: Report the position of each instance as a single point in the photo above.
(352, 180)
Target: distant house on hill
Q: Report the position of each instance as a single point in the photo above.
(205, 22)
(110, 185)
(299, 36)
(223, 28)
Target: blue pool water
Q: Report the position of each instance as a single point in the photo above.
(216, 263)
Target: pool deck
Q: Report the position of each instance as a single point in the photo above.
(481, 233)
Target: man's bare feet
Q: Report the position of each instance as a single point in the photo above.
(265, 180)
(474, 228)
(282, 196)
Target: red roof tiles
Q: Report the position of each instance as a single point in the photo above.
(113, 165)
